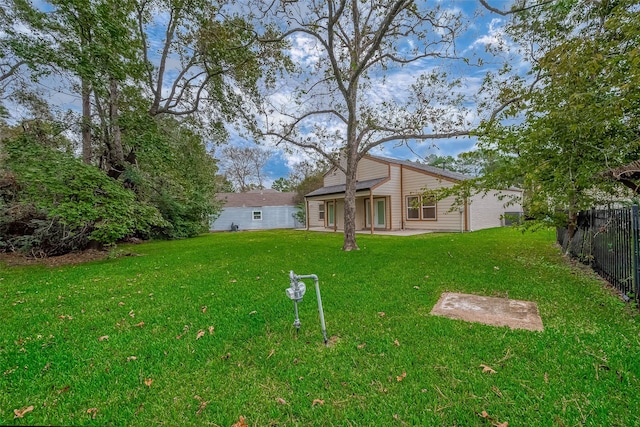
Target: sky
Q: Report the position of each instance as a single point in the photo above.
(484, 30)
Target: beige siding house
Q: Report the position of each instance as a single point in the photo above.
(389, 197)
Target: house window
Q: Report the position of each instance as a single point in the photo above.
(428, 208)
(257, 215)
(321, 212)
(413, 212)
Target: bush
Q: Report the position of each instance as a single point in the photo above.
(52, 203)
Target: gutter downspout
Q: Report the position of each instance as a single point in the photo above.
(335, 215)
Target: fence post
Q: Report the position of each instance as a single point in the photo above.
(636, 250)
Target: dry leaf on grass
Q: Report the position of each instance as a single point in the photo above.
(488, 369)
(271, 353)
(396, 342)
(416, 287)
(361, 346)
(381, 313)
(211, 330)
(139, 325)
(317, 402)
(130, 358)
(132, 314)
(64, 389)
(281, 401)
(203, 308)
(200, 334)
(493, 421)
(148, 382)
(65, 316)
(19, 413)
(241, 423)
(93, 412)
(401, 377)
(121, 303)
(104, 337)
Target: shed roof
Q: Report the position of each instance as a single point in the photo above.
(427, 168)
(257, 198)
(341, 188)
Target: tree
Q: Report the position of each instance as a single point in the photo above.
(243, 166)
(578, 112)
(340, 110)
(282, 184)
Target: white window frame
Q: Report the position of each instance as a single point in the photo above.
(429, 203)
(410, 207)
(257, 217)
(321, 212)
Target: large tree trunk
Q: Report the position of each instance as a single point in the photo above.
(350, 203)
(116, 152)
(87, 153)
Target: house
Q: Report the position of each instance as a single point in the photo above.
(392, 190)
(256, 210)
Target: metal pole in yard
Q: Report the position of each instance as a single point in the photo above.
(636, 251)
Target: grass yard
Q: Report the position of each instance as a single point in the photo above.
(200, 333)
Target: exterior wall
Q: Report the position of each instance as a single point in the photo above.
(314, 213)
(334, 177)
(371, 169)
(272, 217)
(392, 189)
(446, 220)
(487, 211)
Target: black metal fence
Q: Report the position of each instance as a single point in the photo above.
(608, 240)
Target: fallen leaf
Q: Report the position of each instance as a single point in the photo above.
(211, 330)
(64, 389)
(484, 414)
(200, 334)
(546, 378)
(396, 342)
(232, 281)
(317, 402)
(241, 423)
(148, 382)
(19, 413)
(504, 424)
(203, 404)
(271, 353)
(93, 412)
(178, 337)
(488, 369)
(65, 316)
(130, 358)
(139, 325)
(361, 346)
(132, 314)
(104, 337)
(121, 303)
(401, 377)
(496, 268)
(281, 401)
(252, 313)
(381, 313)
(416, 287)
(203, 308)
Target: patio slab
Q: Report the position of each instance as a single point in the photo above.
(493, 311)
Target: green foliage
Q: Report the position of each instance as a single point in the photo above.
(175, 173)
(55, 204)
(579, 114)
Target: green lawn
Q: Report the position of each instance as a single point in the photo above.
(162, 365)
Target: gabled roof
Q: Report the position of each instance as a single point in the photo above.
(341, 188)
(426, 168)
(257, 198)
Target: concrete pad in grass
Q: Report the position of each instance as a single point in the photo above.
(489, 310)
